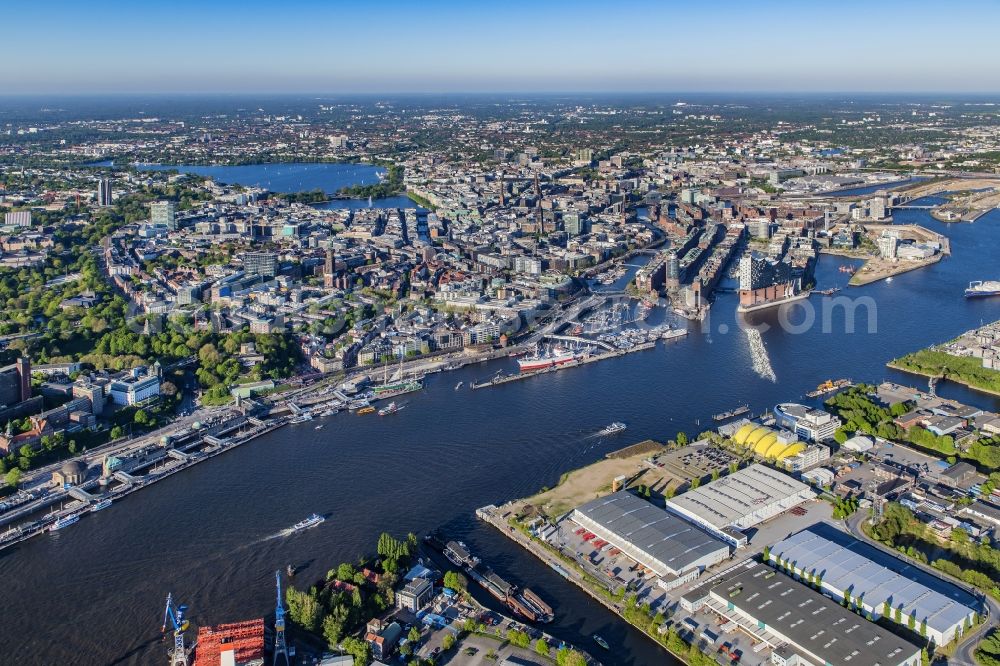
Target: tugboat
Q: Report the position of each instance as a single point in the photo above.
(311, 521)
(600, 641)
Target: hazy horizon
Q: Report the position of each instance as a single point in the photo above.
(445, 47)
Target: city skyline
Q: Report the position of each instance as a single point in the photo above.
(445, 47)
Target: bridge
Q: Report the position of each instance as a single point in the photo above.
(214, 440)
(125, 477)
(178, 455)
(79, 493)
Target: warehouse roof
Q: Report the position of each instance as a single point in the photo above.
(728, 500)
(652, 530)
(813, 622)
(846, 563)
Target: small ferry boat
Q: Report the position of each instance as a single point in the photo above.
(600, 641)
(366, 410)
(65, 521)
(391, 408)
(613, 429)
(311, 521)
(103, 504)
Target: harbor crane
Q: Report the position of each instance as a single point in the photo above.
(175, 615)
(280, 645)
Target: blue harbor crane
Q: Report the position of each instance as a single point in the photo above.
(280, 645)
(175, 616)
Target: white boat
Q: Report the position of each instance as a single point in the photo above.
(391, 408)
(311, 521)
(65, 521)
(458, 385)
(613, 429)
(319, 427)
(983, 288)
(546, 358)
(100, 506)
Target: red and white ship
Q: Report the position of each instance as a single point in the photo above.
(546, 358)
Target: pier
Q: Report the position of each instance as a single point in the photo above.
(160, 464)
(506, 379)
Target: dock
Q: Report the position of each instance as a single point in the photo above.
(506, 379)
(172, 461)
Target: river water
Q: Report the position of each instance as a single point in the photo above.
(93, 594)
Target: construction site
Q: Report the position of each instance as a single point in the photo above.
(231, 644)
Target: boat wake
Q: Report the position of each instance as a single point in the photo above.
(278, 535)
(758, 354)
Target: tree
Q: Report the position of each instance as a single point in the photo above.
(359, 649)
(541, 647)
(414, 634)
(13, 477)
(682, 438)
(333, 630)
(568, 657)
(455, 581)
(448, 642)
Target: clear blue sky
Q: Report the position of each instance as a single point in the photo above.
(52, 46)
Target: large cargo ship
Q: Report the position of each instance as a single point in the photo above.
(546, 358)
(981, 289)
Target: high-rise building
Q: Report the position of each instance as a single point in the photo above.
(673, 276)
(162, 212)
(876, 208)
(104, 192)
(15, 382)
(753, 271)
(260, 264)
(888, 244)
(329, 267)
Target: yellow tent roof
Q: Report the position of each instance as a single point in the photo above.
(758, 435)
(741, 435)
(791, 450)
(766, 443)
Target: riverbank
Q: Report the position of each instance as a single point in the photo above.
(876, 269)
(615, 601)
(965, 371)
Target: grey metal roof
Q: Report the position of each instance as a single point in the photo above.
(875, 576)
(732, 498)
(812, 621)
(662, 536)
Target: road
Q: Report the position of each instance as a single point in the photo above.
(963, 653)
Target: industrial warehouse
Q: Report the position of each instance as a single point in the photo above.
(803, 627)
(739, 501)
(848, 566)
(670, 547)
